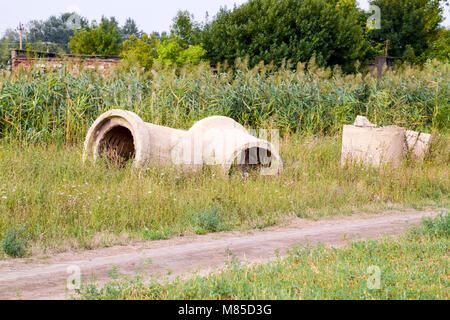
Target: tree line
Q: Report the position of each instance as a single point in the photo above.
(333, 32)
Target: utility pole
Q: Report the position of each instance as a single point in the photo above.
(20, 30)
(387, 48)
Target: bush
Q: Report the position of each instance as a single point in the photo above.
(209, 220)
(273, 31)
(167, 52)
(15, 242)
(103, 39)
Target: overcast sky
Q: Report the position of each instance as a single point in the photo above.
(150, 15)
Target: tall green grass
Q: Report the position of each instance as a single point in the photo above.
(59, 105)
(62, 202)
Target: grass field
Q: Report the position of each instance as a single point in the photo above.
(58, 202)
(61, 202)
(413, 266)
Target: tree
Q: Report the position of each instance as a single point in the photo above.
(9, 41)
(102, 39)
(174, 51)
(274, 30)
(167, 52)
(55, 30)
(141, 50)
(439, 48)
(409, 25)
(161, 36)
(185, 27)
(130, 29)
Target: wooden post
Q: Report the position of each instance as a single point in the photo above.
(387, 48)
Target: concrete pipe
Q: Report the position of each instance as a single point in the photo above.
(122, 135)
(222, 141)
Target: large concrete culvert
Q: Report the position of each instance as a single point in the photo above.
(219, 140)
(122, 135)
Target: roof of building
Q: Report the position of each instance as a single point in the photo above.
(40, 54)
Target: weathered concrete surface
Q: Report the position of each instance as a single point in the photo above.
(222, 141)
(418, 144)
(373, 146)
(120, 134)
(365, 143)
(361, 121)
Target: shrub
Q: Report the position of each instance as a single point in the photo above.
(209, 220)
(15, 242)
(103, 39)
(268, 30)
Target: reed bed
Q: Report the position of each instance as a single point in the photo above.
(59, 105)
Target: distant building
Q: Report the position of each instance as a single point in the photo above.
(26, 59)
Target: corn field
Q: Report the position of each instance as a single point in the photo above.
(59, 105)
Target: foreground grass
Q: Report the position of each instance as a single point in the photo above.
(414, 266)
(63, 203)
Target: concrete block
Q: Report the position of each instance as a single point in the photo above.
(418, 144)
(373, 146)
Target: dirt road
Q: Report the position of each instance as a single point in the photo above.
(46, 278)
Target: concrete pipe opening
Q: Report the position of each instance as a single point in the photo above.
(117, 146)
(118, 136)
(250, 161)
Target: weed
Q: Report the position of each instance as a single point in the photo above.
(154, 235)
(62, 199)
(58, 107)
(209, 220)
(44, 118)
(15, 242)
